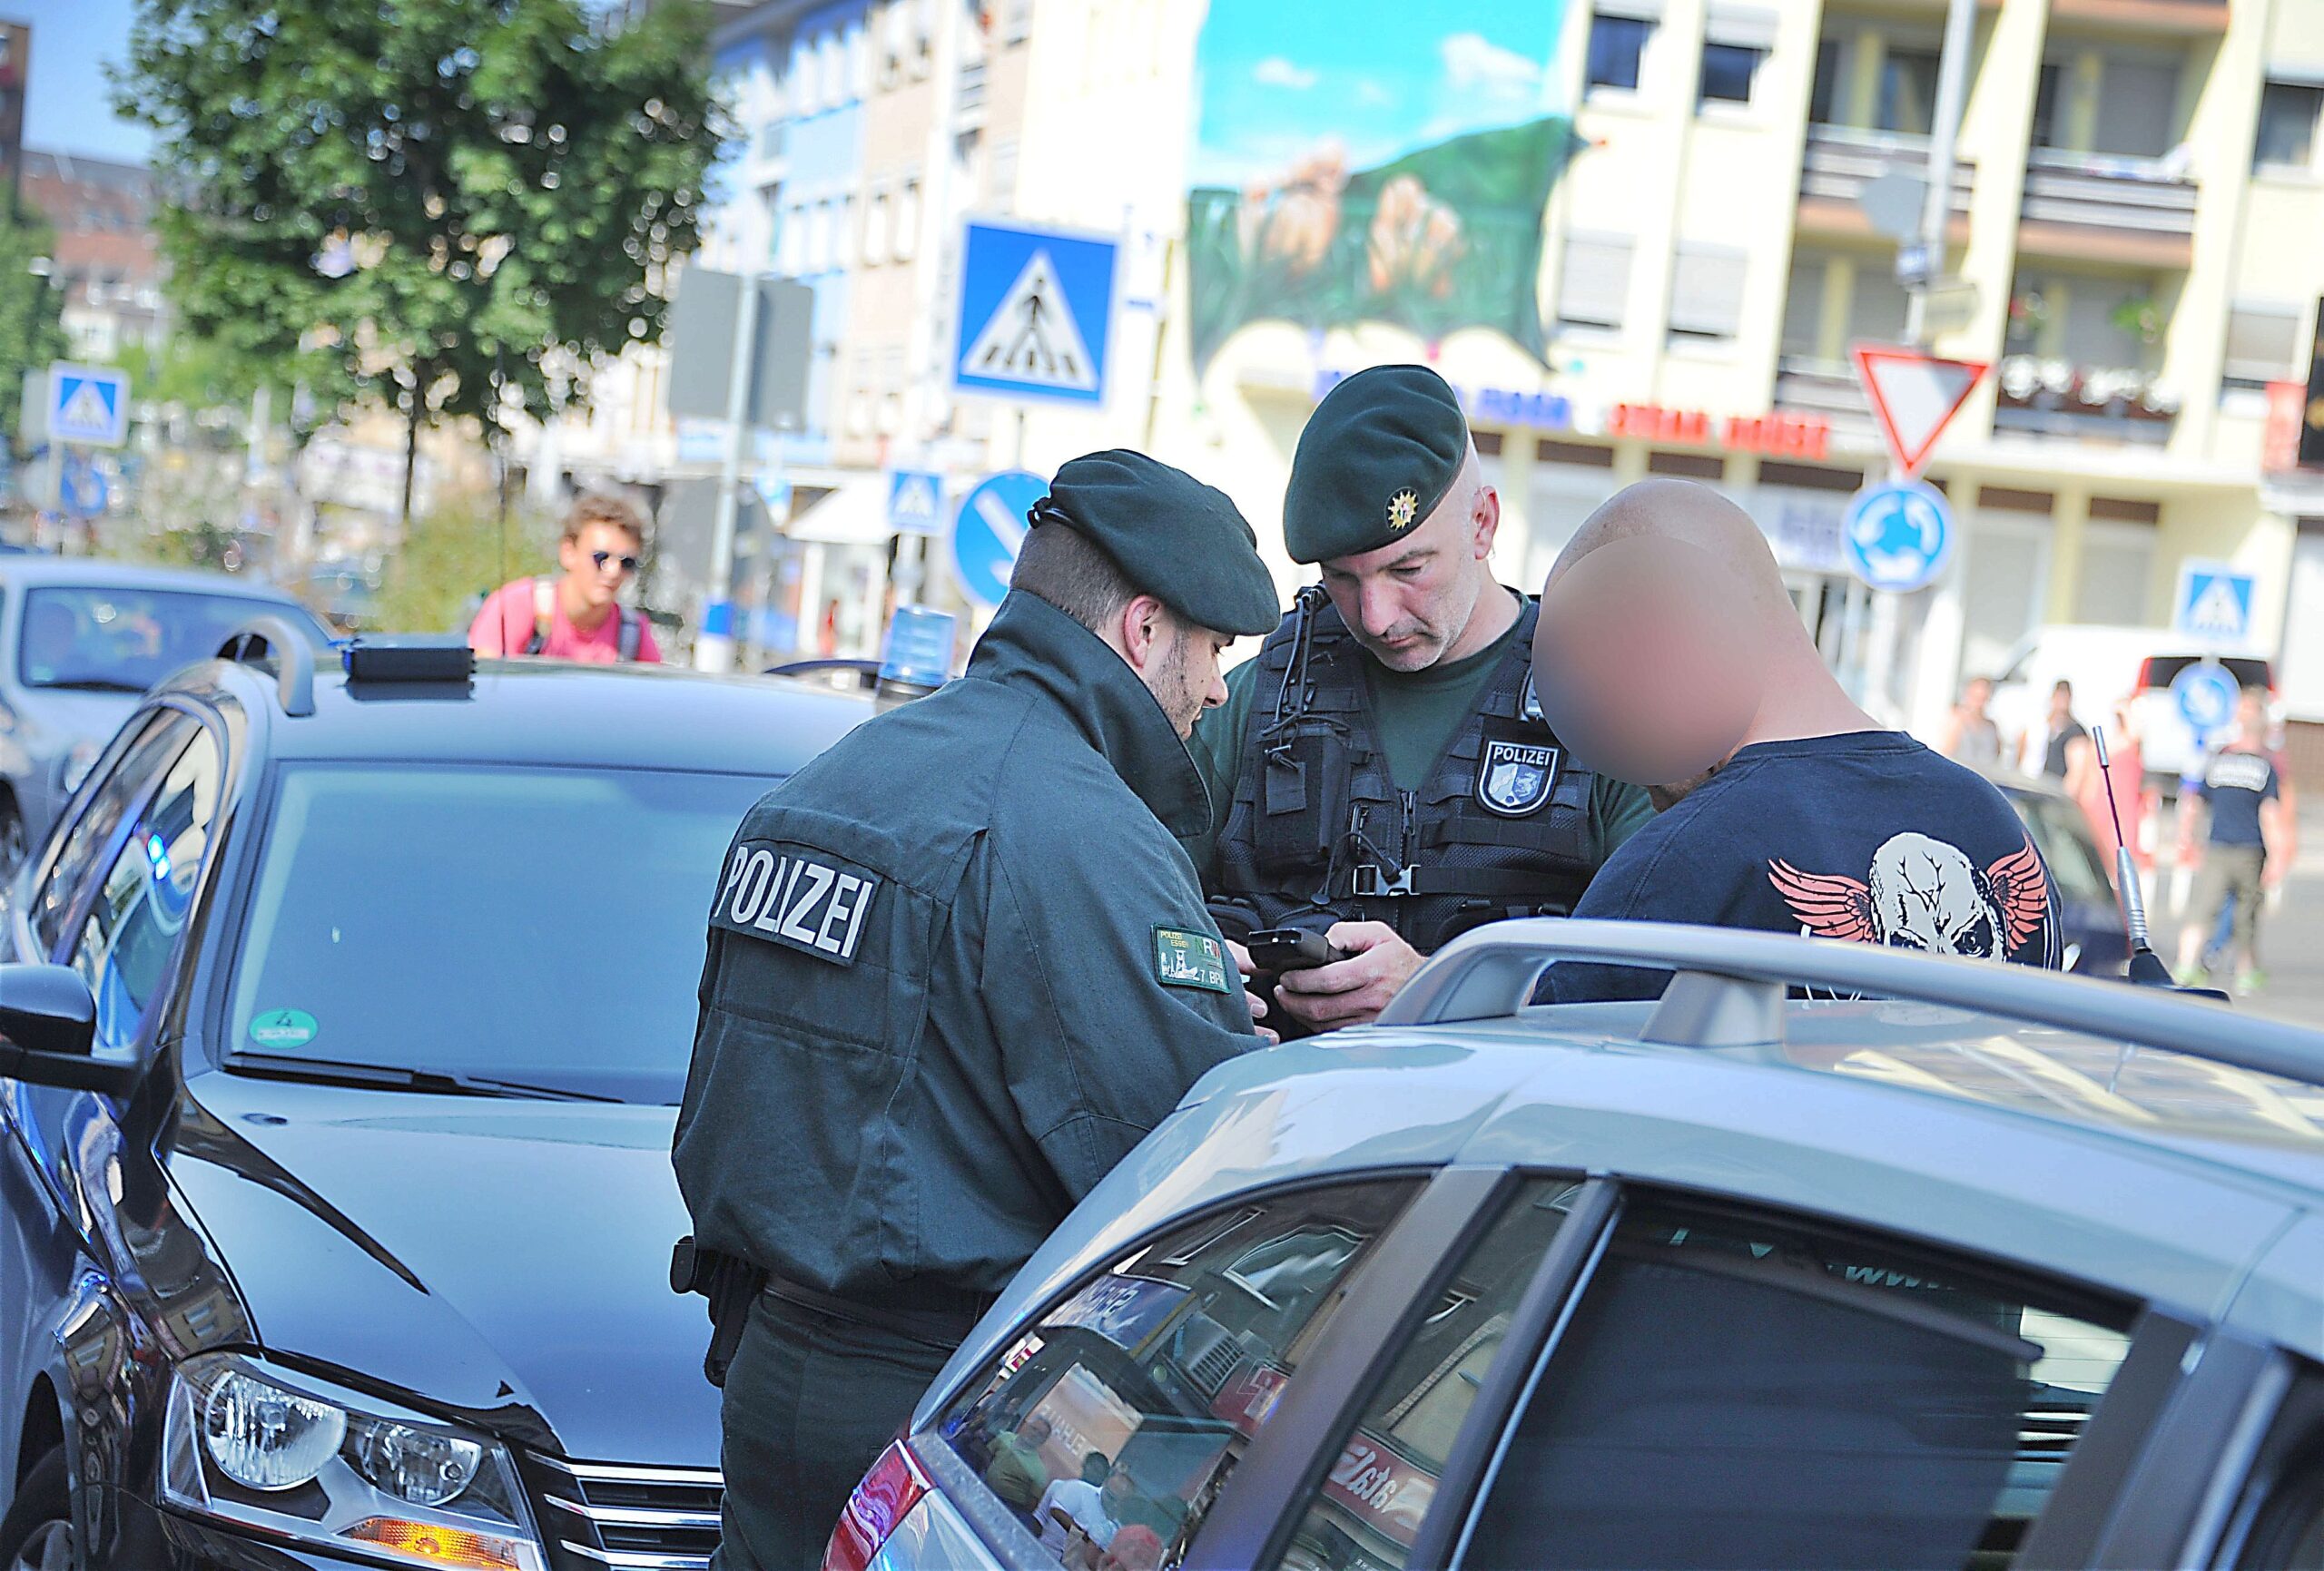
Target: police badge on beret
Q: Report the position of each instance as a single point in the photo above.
(1403, 508)
(1514, 778)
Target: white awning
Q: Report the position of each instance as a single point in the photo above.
(854, 514)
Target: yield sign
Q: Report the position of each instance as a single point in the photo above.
(1912, 397)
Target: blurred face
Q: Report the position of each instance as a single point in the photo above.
(1979, 694)
(2061, 702)
(1034, 1433)
(1409, 602)
(598, 561)
(1185, 678)
(1643, 666)
(1119, 1485)
(2251, 717)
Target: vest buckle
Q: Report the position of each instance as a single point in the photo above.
(1371, 884)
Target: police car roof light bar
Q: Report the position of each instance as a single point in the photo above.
(1735, 978)
(410, 657)
(279, 639)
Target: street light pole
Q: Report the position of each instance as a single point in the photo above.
(714, 650)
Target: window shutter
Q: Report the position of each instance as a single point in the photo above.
(2262, 343)
(1595, 280)
(1706, 291)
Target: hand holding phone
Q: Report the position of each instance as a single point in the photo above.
(1274, 950)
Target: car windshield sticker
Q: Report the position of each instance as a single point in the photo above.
(278, 1029)
(1184, 959)
(811, 903)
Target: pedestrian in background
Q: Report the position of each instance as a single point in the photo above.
(2117, 793)
(958, 967)
(1970, 737)
(578, 615)
(2061, 731)
(2243, 800)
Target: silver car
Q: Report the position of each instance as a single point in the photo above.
(1983, 1266)
(80, 640)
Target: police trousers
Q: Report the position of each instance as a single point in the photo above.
(812, 1400)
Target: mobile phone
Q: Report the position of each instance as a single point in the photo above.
(1279, 949)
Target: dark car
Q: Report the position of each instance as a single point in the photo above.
(2090, 919)
(347, 1240)
(79, 641)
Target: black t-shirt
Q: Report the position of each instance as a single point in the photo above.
(2235, 783)
(1867, 836)
(2053, 756)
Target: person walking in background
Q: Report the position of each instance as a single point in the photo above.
(1970, 737)
(2062, 730)
(578, 616)
(2249, 848)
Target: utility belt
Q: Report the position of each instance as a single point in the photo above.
(934, 1316)
(1371, 881)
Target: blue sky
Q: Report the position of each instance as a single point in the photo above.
(1381, 76)
(69, 108)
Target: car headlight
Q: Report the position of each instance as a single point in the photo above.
(298, 1457)
(78, 761)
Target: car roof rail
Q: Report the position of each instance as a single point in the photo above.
(1730, 984)
(277, 638)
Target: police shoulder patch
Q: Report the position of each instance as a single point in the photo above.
(799, 896)
(1183, 958)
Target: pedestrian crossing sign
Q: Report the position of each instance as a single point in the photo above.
(916, 501)
(1036, 310)
(2213, 604)
(88, 404)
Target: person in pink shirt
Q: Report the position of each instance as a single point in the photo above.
(578, 616)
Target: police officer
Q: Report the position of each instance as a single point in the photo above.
(959, 966)
(1381, 772)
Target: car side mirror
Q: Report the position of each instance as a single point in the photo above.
(48, 1029)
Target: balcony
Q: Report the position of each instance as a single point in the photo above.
(1806, 385)
(2096, 206)
(2055, 398)
(2185, 18)
(968, 106)
(1840, 161)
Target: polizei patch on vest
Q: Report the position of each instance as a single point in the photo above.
(799, 899)
(1184, 959)
(1514, 778)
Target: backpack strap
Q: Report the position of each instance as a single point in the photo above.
(543, 614)
(633, 630)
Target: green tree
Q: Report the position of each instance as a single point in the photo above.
(32, 330)
(455, 205)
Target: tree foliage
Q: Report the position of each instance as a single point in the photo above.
(31, 331)
(443, 201)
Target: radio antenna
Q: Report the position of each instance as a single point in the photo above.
(2146, 967)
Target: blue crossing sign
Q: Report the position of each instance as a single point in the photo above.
(2206, 694)
(1897, 535)
(2213, 603)
(915, 501)
(79, 488)
(989, 529)
(88, 404)
(1036, 308)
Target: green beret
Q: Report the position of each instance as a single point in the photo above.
(1175, 539)
(1378, 454)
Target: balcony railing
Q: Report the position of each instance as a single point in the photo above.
(1840, 161)
(2101, 205)
(2181, 16)
(2055, 398)
(1807, 385)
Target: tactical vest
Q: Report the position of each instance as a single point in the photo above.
(1318, 831)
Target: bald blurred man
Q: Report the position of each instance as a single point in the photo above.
(1669, 651)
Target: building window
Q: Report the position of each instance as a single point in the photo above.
(818, 238)
(1832, 55)
(793, 245)
(1617, 47)
(846, 237)
(2116, 569)
(1803, 308)
(2288, 116)
(1728, 71)
(1908, 91)
(1706, 291)
(875, 230)
(2045, 104)
(1594, 282)
(907, 220)
(2138, 106)
(1018, 23)
(2262, 345)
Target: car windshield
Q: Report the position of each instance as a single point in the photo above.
(120, 640)
(532, 926)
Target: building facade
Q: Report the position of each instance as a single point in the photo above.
(107, 261)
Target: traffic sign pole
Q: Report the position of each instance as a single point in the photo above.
(713, 647)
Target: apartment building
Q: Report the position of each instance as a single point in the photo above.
(2137, 200)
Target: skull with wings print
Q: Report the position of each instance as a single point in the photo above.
(1926, 895)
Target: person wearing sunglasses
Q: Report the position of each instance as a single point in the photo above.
(578, 615)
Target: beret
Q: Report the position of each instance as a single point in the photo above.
(1377, 456)
(1175, 539)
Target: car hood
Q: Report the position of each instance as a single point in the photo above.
(506, 1260)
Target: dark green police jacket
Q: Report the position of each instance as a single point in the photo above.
(958, 965)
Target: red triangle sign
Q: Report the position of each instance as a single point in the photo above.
(1914, 395)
